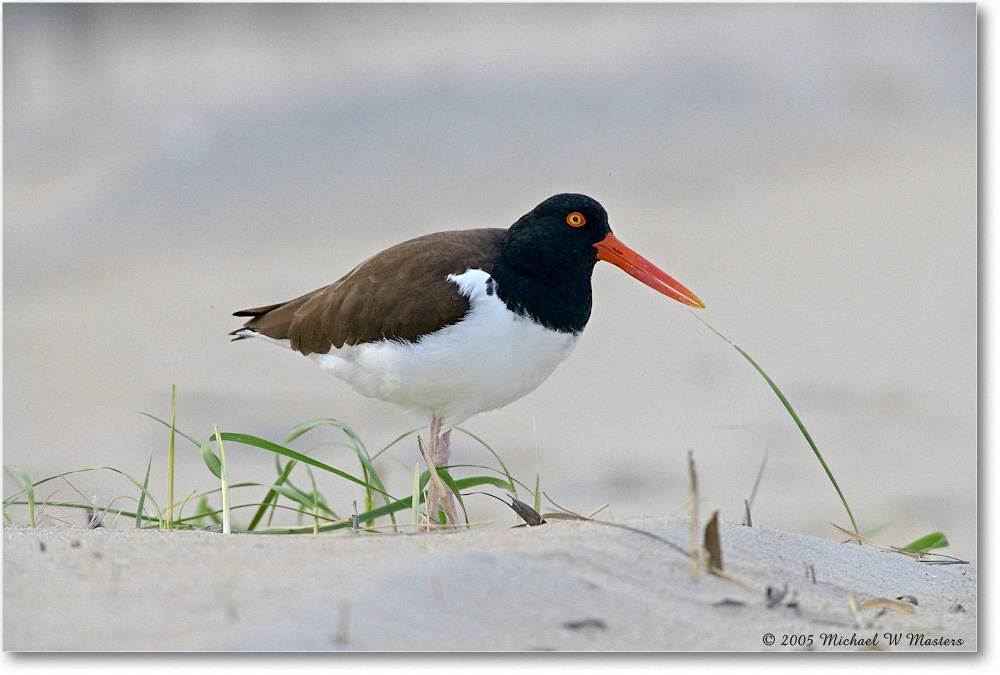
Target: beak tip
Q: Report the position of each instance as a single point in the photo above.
(613, 251)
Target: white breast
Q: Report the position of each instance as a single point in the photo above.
(490, 358)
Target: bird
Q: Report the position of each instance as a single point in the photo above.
(455, 323)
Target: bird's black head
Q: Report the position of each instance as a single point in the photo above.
(559, 234)
(565, 225)
(547, 259)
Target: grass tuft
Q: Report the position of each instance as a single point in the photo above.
(284, 505)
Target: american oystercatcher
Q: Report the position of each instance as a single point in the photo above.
(456, 323)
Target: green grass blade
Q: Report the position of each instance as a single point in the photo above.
(927, 542)
(791, 411)
(446, 477)
(29, 491)
(314, 501)
(327, 421)
(211, 459)
(298, 496)
(474, 481)
(271, 498)
(144, 492)
(399, 504)
(180, 509)
(398, 439)
(142, 496)
(458, 484)
(204, 511)
(170, 457)
(371, 478)
(263, 444)
(193, 440)
(486, 445)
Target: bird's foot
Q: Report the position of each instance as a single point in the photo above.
(438, 494)
(432, 519)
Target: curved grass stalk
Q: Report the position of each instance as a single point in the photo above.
(486, 445)
(371, 477)
(791, 411)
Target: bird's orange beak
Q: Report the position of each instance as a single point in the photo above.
(617, 253)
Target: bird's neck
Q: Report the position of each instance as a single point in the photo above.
(557, 296)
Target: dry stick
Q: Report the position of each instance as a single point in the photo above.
(415, 499)
(852, 607)
(438, 485)
(530, 516)
(713, 543)
(570, 515)
(753, 491)
(693, 516)
(224, 478)
(891, 605)
(862, 540)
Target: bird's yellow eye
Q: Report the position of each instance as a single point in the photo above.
(576, 219)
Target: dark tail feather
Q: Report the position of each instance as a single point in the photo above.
(257, 311)
(253, 314)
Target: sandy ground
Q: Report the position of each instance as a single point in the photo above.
(808, 171)
(564, 586)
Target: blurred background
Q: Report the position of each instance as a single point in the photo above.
(809, 171)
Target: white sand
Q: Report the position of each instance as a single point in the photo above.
(562, 586)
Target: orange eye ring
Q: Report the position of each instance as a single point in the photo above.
(576, 219)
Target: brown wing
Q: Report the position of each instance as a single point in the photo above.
(401, 293)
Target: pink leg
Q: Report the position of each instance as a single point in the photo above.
(440, 450)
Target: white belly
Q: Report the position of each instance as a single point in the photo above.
(490, 358)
